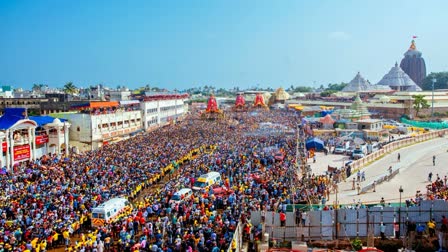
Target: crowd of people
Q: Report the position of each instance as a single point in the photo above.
(46, 203)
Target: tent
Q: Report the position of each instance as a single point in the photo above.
(327, 121)
(314, 143)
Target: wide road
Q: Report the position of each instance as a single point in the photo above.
(415, 165)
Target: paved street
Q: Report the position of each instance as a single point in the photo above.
(415, 165)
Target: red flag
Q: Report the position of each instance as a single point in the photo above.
(414, 36)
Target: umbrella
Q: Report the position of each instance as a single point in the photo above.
(314, 143)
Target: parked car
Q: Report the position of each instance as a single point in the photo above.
(357, 154)
(350, 150)
(339, 149)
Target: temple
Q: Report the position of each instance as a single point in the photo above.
(413, 64)
(398, 80)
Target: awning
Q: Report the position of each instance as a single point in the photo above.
(96, 105)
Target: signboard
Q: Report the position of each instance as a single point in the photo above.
(22, 152)
(41, 139)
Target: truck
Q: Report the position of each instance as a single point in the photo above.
(108, 211)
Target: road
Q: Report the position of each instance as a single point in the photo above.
(414, 166)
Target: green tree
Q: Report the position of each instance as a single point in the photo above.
(327, 93)
(419, 103)
(70, 88)
(441, 81)
(336, 87)
(37, 87)
(303, 89)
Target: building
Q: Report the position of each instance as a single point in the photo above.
(6, 92)
(398, 80)
(26, 138)
(99, 123)
(414, 65)
(359, 84)
(122, 94)
(161, 109)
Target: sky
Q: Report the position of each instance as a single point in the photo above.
(178, 44)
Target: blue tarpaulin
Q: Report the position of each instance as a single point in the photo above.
(314, 143)
(42, 120)
(11, 116)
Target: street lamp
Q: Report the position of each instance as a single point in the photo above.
(434, 80)
(399, 212)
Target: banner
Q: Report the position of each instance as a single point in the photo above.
(22, 152)
(41, 139)
(4, 146)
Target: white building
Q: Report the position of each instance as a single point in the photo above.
(159, 110)
(24, 138)
(119, 95)
(100, 123)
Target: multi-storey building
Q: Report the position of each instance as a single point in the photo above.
(99, 123)
(159, 110)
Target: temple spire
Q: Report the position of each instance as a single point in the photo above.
(413, 47)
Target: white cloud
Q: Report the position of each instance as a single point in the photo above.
(339, 35)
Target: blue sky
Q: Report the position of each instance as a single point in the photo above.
(224, 43)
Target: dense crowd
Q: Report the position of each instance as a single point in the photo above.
(47, 203)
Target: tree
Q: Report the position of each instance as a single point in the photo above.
(327, 93)
(441, 81)
(70, 88)
(336, 87)
(303, 89)
(419, 103)
(37, 87)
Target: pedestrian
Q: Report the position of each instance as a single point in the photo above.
(382, 202)
(398, 157)
(298, 216)
(282, 219)
(363, 176)
(358, 176)
(397, 230)
(390, 170)
(434, 160)
(382, 231)
(431, 227)
(374, 185)
(444, 224)
(353, 184)
(314, 158)
(430, 177)
(358, 187)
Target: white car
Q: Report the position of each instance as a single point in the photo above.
(339, 149)
(357, 154)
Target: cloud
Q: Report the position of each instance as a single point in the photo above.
(339, 35)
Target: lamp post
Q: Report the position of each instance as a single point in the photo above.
(399, 212)
(434, 80)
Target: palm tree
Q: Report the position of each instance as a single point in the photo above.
(37, 87)
(419, 103)
(70, 88)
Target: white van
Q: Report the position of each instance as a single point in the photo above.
(108, 211)
(181, 195)
(206, 180)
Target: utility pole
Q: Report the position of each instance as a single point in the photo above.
(434, 80)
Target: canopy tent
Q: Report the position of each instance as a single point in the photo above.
(314, 143)
(327, 119)
(327, 122)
